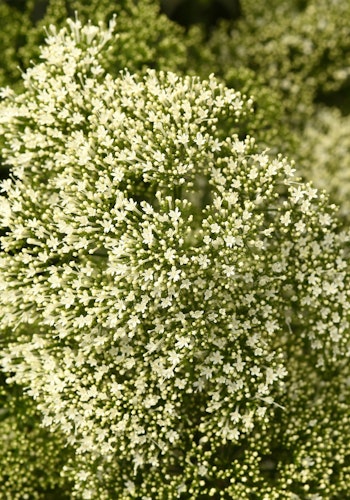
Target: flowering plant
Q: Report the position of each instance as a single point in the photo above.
(173, 299)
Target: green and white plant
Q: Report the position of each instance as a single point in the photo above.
(173, 299)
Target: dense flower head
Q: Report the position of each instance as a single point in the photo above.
(159, 273)
(145, 37)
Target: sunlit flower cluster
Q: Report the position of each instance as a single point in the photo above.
(165, 285)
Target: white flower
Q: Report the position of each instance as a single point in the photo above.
(150, 261)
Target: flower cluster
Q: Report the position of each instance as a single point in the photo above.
(165, 284)
(291, 55)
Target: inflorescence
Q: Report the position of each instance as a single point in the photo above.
(172, 297)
